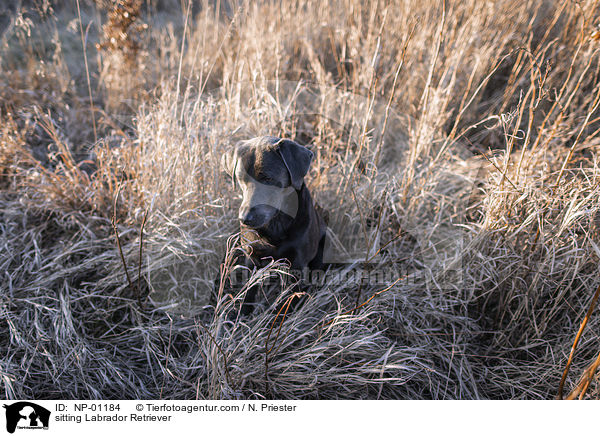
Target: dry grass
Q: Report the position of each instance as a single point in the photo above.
(455, 147)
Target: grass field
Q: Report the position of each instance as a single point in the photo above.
(456, 151)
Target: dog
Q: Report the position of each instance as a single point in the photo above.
(277, 216)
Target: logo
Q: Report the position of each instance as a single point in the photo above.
(26, 415)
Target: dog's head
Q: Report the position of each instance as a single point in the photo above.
(270, 171)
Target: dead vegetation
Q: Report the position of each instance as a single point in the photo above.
(455, 149)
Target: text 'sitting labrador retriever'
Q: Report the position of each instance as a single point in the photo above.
(277, 216)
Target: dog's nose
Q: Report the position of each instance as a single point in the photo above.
(249, 219)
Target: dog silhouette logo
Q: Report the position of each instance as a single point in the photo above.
(26, 415)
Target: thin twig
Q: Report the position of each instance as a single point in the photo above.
(392, 94)
(285, 306)
(576, 342)
(367, 240)
(162, 387)
(114, 225)
(225, 364)
(185, 26)
(87, 71)
(268, 350)
(583, 385)
(139, 282)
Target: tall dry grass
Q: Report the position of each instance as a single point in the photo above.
(455, 149)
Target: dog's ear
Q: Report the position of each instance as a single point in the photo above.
(296, 159)
(229, 163)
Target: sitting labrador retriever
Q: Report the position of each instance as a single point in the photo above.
(277, 216)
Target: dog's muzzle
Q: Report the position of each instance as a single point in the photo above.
(257, 216)
(261, 203)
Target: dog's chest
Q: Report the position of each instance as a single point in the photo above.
(261, 251)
